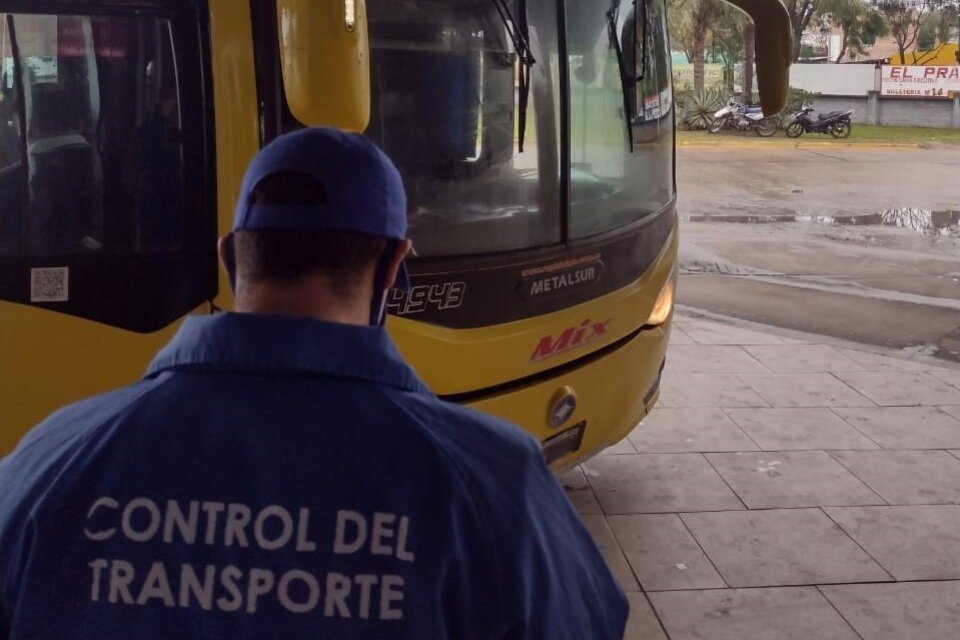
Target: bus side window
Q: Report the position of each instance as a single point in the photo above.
(11, 148)
(105, 167)
(63, 181)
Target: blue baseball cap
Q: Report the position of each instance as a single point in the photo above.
(364, 189)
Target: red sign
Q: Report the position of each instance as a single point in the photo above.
(109, 37)
(920, 82)
(570, 338)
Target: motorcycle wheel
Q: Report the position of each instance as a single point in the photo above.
(766, 127)
(795, 130)
(717, 125)
(842, 130)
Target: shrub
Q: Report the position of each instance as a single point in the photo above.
(699, 107)
(796, 98)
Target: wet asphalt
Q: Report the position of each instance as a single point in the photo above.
(858, 244)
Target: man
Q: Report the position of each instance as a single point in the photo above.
(281, 473)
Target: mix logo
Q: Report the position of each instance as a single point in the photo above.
(570, 338)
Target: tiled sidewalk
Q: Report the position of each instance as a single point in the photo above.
(785, 490)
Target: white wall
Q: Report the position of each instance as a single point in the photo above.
(834, 79)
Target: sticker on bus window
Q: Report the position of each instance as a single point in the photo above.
(50, 284)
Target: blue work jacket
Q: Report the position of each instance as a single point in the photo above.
(283, 478)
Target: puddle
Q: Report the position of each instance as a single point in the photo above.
(921, 220)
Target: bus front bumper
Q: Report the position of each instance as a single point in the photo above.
(613, 390)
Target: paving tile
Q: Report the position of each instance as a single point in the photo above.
(579, 492)
(799, 429)
(679, 337)
(927, 610)
(805, 390)
(814, 358)
(713, 359)
(663, 554)
(603, 536)
(781, 547)
(642, 623)
(658, 483)
(624, 447)
(912, 543)
(950, 376)
(707, 390)
(770, 480)
(689, 430)
(906, 477)
(798, 613)
(902, 389)
(706, 332)
(905, 427)
(877, 362)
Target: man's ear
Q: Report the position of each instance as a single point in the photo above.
(403, 250)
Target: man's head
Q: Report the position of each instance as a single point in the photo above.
(320, 229)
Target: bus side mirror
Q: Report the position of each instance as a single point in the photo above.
(325, 60)
(774, 51)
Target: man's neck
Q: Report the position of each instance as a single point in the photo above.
(301, 301)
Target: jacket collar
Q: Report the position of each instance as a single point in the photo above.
(248, 343)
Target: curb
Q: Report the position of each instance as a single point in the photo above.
(683, 310)
(789, 144)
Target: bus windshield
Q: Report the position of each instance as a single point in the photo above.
(618, 100)
(447, 107)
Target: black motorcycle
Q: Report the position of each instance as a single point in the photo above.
(836, 123)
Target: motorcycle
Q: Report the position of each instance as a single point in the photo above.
(836, 123)
(742, 118)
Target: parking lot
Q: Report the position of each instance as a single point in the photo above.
(800, 477)
(861, 244)
(787, 486)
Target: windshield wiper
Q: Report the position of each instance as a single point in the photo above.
(519, 32)
(627, 83)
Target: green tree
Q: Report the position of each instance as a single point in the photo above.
(927, 35)
(728, 39)
(681, 28)
(802, 13)
(700, 19)
(905, 19)
(749, 58)
(861, 25)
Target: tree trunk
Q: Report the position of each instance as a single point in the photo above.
(699, 41)
(797, 43)
(749, 56)
(801, 13)
(844, 43)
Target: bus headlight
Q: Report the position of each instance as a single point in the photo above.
(664, 306)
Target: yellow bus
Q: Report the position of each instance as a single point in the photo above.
(536, 139)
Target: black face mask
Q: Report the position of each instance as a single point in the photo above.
(378, 306)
